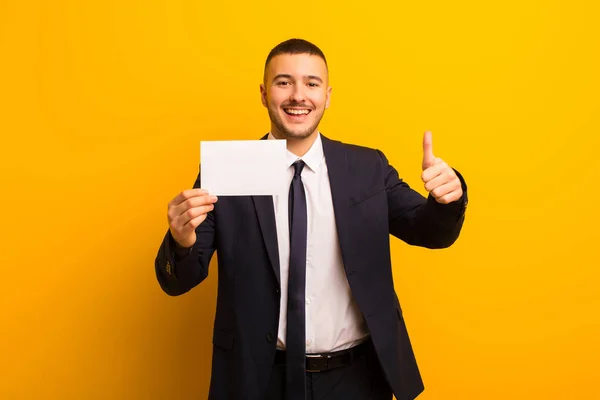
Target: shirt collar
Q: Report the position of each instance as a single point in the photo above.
(313, 157)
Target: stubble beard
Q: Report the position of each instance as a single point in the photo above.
(294, 134)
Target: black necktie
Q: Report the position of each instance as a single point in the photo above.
(296, 320)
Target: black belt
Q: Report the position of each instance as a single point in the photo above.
(327, 361)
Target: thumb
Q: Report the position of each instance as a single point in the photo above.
(428, 158)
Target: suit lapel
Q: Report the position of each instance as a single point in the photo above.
(265, 212)
(341, 188)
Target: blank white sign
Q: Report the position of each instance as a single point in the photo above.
(243, 167)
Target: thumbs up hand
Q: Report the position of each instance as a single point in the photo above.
(440, 180)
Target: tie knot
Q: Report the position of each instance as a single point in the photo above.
(298, 166)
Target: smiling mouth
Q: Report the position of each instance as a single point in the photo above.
(294, 111)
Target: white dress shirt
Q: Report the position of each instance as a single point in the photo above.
(333, 321)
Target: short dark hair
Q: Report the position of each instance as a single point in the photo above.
(295, 46)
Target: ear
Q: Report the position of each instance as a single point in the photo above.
(263, 94)
(328, 97)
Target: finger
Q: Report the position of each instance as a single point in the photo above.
(450, 197)
(192, 224)
(195, 222)
(195, 212)
(183, 235)
(192, 202)
(428, 158)
(191, 208)
(181, 218)
(444, 175)
(439, 167)
(187, 194)
(431, 172)
(445, 189)
(437, 181)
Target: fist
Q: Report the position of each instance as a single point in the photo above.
(440, 180)
(186, 211)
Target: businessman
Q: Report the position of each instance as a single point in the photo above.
(306, 307)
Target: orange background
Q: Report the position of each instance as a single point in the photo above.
(102, 108)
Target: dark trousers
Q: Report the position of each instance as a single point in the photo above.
(363, 379)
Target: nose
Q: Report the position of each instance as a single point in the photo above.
(297, 95)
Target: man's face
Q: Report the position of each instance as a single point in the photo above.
(296, 94)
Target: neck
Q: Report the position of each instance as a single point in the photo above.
(298, 146)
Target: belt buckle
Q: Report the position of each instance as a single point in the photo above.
(326, 357)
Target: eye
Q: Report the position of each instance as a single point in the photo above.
(284, 83)
(313, 84)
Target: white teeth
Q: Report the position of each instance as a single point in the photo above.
(297, 112)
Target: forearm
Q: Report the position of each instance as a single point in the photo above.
(179, 270)
(423, 221)
(437, 225)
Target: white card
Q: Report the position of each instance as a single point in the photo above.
(243, 167)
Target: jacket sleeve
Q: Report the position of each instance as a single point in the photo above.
(421, 221)
(176, 275)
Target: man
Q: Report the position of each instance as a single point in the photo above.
(306, 305)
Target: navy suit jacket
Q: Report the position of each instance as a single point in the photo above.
(370, 202)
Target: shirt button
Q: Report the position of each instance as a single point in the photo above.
(308, 342)
(269, 337)
(307, 301)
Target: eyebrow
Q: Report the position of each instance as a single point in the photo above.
(288, 76)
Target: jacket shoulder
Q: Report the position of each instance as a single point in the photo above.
(360, 154)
